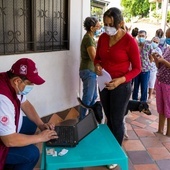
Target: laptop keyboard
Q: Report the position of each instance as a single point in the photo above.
(65, 136)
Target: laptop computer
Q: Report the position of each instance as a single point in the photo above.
(69, 136)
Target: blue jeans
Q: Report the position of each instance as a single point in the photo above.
(89, 89)
(143, 80)
(114, 104)
(26, 157)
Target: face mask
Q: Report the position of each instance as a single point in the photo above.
(26, 90)
(110, 30)
(141, 40)
(167, 41)
(154, 45)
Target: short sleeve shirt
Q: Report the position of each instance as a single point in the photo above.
(7, 116)
(86, 62)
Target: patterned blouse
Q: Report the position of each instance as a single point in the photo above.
(163, 74)
(144, 54)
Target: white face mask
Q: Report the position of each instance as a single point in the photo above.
(110, 30)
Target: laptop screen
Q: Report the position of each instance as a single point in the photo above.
(85, 126)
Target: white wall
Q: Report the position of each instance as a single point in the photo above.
(60, 69)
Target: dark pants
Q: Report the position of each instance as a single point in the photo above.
(26, 157)
(141, 80)
(115, 103)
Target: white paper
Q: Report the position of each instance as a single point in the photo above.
(104, 78)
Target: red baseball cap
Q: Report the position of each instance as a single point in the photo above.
(27, 68)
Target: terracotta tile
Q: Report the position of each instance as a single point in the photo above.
(151, 142)
(129, 127)
(164, 164)
(146, 167)
(140, 157)
(167, 145)
(149, 128)
(154, 125)
(150, 117)
(131, 166)
(143, 133)
(133, 145)
(143, 120)
(163, 138)
(132, 134)
(132, 116)
(159, 153)
(138, 124)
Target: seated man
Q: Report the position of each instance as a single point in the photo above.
(17, 148)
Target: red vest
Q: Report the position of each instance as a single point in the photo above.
(7, 90)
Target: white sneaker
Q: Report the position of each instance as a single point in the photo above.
(112, 166)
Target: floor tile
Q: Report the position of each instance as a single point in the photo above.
(164, 164)
(143, 133)
(154, 125)
(138, 124)
(143, 120)
(140, 157)
(133, 145)
(151, 142)
(167, 145)
(146, 167)
(159, 153)
(150, 117)
(132, 134)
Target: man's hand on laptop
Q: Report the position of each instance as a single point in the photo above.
(47, 135)
(45, 126)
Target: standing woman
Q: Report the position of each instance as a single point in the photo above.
(116, 51)
(87, 71)
(162, 86)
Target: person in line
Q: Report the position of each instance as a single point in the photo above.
(162, 86)
(153, 70)
(116, 51)
(162, 43)
(134, 33)
(17, 148)
(86, 71)
(143, 78)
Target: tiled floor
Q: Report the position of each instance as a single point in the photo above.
(146, 149)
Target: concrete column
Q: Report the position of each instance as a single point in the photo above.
(164, 14)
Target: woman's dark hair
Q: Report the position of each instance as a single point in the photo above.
(116, 14)
(159, 33)
(90, 21)
(135, 32)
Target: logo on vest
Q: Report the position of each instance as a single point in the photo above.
(4, 120)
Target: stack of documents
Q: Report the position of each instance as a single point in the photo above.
(104, 78)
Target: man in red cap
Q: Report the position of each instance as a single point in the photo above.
(16, 147)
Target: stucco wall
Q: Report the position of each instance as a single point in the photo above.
(59, 69)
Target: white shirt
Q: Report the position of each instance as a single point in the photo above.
(7, 116)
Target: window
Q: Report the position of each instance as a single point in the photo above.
(33, 26)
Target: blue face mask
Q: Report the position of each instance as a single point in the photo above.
(141, 39)
(167, 41)
(154, 45)
(26, 90)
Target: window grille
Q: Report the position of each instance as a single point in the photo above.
(28, 26)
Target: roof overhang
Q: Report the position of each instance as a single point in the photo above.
(99, 3)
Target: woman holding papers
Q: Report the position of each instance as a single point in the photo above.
(87, 70)
(116, 53)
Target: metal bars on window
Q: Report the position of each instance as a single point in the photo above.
(33, 26)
